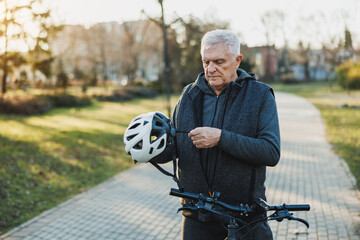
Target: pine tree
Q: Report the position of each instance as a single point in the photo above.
(348, 40)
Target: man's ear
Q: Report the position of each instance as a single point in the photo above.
(238, 59)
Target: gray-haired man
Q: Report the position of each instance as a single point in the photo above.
(233, 134)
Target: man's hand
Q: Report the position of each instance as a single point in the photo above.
(205, 137)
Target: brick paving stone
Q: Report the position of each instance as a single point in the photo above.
(135, 204)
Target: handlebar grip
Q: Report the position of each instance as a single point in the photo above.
(296, 207)
(178, 193)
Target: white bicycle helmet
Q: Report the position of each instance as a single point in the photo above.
(146, 136)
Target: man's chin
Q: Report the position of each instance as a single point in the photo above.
(215, 83)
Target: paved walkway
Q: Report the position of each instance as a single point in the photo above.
(135, 204)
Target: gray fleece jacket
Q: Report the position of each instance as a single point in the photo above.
(250, 140)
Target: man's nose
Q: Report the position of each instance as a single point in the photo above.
(211, 67)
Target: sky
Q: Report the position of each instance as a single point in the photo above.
(243, 16)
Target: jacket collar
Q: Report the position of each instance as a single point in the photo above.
(200, 83)
(243, 75)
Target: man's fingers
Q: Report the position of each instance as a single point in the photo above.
(205, 137)
(194, 132)
(200, 143)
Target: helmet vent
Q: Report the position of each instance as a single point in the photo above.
(134, 126)
(159, 124)
(151, 150)
(145, 122)
(138, 145)
(162, 143)
(130, 137)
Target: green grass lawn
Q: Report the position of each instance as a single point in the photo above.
(47, 159)
(341, 113)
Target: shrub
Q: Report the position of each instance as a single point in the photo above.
(348, 75)
(39, 104)
(118, 95)
(25, 105)
(156, 85)
(67, 100)
(127, 93)
(141, 92)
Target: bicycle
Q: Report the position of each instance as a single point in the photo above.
(213, 205)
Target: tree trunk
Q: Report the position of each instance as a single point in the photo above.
(330, 80)
(3, 81)
(166, 60)
(307, 72)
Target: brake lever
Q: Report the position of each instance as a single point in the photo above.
(187, 208)
(285, 214)
(302, 221)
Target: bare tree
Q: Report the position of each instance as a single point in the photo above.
(193, 31)
(167, 65)
(274, 24)
(129, 50)
(325, 32)
(305, 59)
(70, 51)
(331, 42)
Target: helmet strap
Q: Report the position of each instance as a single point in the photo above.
(174, 175)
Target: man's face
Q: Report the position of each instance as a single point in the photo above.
(220, 66)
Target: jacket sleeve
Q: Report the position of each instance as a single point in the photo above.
(264, 149)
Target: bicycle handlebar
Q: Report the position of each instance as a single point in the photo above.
(195, 197)
(210, 204)
(241, 208)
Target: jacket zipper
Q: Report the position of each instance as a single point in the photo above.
(227, 96)
(213, 116)
(211, 125)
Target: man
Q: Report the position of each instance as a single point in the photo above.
(227, 133)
